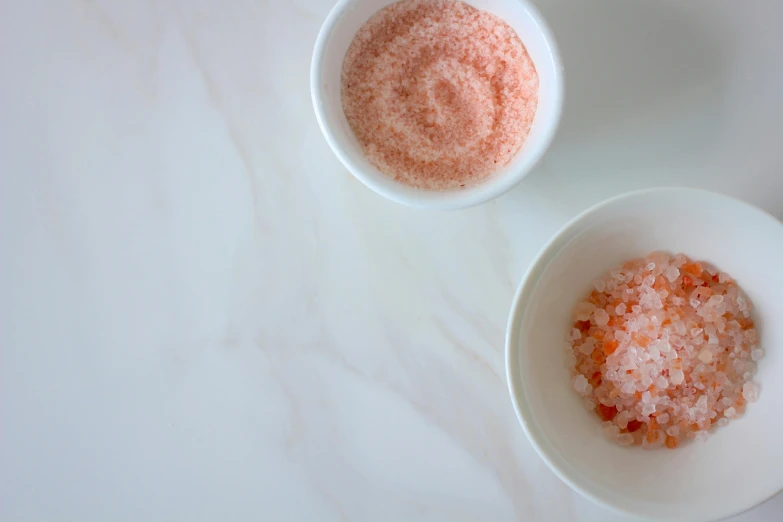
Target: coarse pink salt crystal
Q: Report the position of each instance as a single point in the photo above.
(655, 369)
(438, 93)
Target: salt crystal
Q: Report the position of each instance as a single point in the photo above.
(757, 354)
(648, 409)
(705, 356)
(673, 431)
(723, 277)
(620, 310)
(696, 331)
(649, 281)
(580, 384)
(729, 412)
(722, 421)
(575, 334)
(702, 436)
(750, 391)
(663, 418)
(676, 377)
(636, 309)
(671, 274)
(694, 303)
(583, 310)
(625, 439)
(611, 431)
(600, 317)
(661, 383)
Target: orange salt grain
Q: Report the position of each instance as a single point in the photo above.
(671, 442)
(606, 413)
(610, 346)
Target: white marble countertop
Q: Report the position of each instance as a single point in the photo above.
(205, 317)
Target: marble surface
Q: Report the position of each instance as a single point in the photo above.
(205, 317)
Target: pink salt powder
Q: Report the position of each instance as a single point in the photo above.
(439, 94)
(664, 348)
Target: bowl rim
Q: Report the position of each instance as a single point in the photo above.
(428, 199)
(514, 383)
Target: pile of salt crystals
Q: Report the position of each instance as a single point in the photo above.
(664, 348)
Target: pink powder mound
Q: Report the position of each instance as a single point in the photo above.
(439, 94)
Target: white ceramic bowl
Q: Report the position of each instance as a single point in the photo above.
(740, 465)
(336, 34)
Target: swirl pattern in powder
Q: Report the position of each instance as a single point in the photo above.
(439, 94)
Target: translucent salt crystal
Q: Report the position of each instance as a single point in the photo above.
(715, 300)
(587, 347)
(702, 436)
(723, 277)
(622, 419)
(742, 304)
(649, 281)
(726, 401)
(729, 412)
(580, 384)
(673, 431)
(705, 356)
(750, 336)
(664, 347)
(601, 317)
(739, 366)
(648, 409)
(611, 431)
(628, 387)
(661, 383)
(589, 404)
(636, 309)
(575, 334)
(750, 391)
(676, 377)
(625, 439)
(583, 310)
(646, 381)
(746, 376)
(650, 266)
(722, 421)
(696, 331)
(757, 354)
(647, 397)
(620, 310)
(663, 418)
(599, 285)
(695, 303)
(679, 327)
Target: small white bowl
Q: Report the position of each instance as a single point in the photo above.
(336, 34)
(741, 464)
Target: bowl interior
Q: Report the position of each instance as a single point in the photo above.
(701, 481)
(336, 35)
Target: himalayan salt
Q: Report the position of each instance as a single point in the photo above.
(666, 350)
(438, 93)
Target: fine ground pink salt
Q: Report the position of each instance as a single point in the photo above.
(439, 94)
(664, 348)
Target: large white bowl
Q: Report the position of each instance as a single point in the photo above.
(741, 465)
(336, 34)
